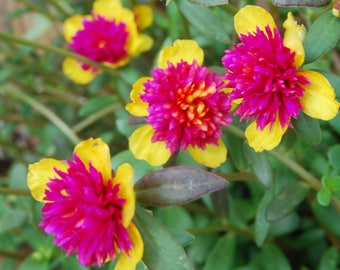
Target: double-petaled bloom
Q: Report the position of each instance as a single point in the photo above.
(185, 105)
(88, 207)
(110, 35)
(266, 79)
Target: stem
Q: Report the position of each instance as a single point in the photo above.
(49, 48)
(94, 117)
(221, 228)
(44, 111)
(14, 191)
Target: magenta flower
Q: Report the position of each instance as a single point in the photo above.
(87, 208)
(185, 107)
(267, 82)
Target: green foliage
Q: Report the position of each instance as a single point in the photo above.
(280, 209)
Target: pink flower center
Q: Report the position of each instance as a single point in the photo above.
(186, 105)
(261, 71)
(85, 214)
(101, 40)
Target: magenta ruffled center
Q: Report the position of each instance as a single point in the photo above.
(101, 40)
(85, 214)
(261, 71)
(186, 106)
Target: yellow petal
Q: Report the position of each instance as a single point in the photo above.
(74, 71)
(72, 25)
(124, 177)
(98, 153)
(138, 107)
(129, 262)
(213, 155)
(250, 17)
(40, 173)
(319, 98)
(266, 139)
(292, 39)
(107, 8)
(141, 43)
(143, 16)
(141, 146)
(185, 49)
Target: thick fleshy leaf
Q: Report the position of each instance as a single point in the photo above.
(205, 21)
(260, 166)
(162, 251)
(223, 254)
(176, 185)
(328, 217)
(329, 259)
(304, 3)
(250, 17)
(307, 128)
(285, 201)
(273, 258)
(322, 36)
(206, 3)
(262, 226)
(324, 196)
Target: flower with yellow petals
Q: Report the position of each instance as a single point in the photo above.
(265, 77)
(185, 106)
(110, 35)
(88, 207)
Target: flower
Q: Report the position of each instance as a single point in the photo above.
(266, 79)
(110, 36)
(185, 106)
(87, 207)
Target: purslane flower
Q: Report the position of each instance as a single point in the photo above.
(110, 35)
(266, 79)
(185, 105)
(87, 207)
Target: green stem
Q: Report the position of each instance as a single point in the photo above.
(44, 111)
(94, 117)
(221, 228)
(49, 48)
(14, 191)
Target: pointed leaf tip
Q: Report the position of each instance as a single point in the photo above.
(176, 185)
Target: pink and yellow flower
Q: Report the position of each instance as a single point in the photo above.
(185, 106)
(267, 81)
(110, 35)
(88, 207)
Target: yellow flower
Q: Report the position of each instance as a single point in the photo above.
(267, 81)
(109, 36)
(87, 206)
(185, 106)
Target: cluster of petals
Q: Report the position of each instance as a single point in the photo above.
(87, 207)
(267, 82)
(185, 105)
(110, 36)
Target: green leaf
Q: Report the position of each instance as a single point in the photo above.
(223, 254)
(285, 201)
(332, 183)
(334, 156)
(305, 3)
(324, 196)
(321, 37)
(176, 185)
(209, 2)
(161, 250)
(260, 166)
(32, 264)
(205, 21)
(307, 128)
(329, 259)
(327, 216)
(261, 225)
(11, 220)
(96, 104)
(273, 258)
